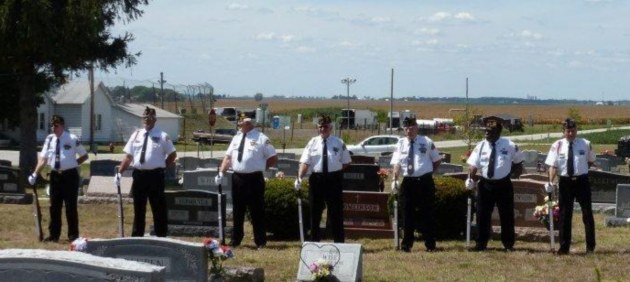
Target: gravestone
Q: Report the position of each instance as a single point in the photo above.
(103, 167)
(535, 176)
(290, 156)
(385, 161)
(613, 161)
(5, 163)
(458, 175)
(359, 159)
(361, 177)
(446, 157)
(289, 167)
(194, 212)
(182, 261)
(209, 163)
(604, 185)
(187, 163)
(449, 168)
(104, 186)
(527, 195)
(602, 163)
(347, 260)
(530, 158)
(203, 179)
(365, 215)
(61, 266)
(622, 209)
(11, 189)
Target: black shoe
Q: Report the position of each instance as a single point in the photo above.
(405, 249)
(260, 247)
(51, 239)
(508, 250)
(72, 238)
(590, 250)
(477, 249)
(431, 250)
(234, 245)
(562, 252)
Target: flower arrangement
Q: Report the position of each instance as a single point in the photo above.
(280, 174)
(321, 270)
(217, 254)
(542, 212)
(382, 176)
(79, 244)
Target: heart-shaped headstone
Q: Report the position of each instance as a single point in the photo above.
(320, 248)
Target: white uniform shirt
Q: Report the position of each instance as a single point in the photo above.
(159, 146)
(507, 153)
(582, 154)
(425, 154)
(338, 155)
(256, 151)
(70, 146)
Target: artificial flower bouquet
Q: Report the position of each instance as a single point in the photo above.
(217, 254)
(321, 270)
(542, 213)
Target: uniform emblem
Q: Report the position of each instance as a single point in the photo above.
(253, 143)
(67, 146)
(504, 151)
(423, 148)
(336, 150)
(582, 152)
(268, 142)
(155, 139)
(78, 142)
(343, 147)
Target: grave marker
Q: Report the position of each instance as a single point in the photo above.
(203, 179)
(289, 167)
(604, 185)
(527, 195)
(361, 177)
(449, 168)
(365, 215)
(194, 212)
(347, 260)
(11, 189)
(359, 159)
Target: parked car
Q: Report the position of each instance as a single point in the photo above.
(378, 145)
(221, 135)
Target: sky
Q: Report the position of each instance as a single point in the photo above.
(550, 49)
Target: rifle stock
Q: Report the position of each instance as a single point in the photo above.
(37, 213)
(121, 215)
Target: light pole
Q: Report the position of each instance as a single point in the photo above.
(347, 81)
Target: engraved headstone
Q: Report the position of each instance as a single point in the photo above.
(359, 159)
(187, 163)
(103, 167)
(361, 177)
(449, 168)
(603, 164)
(347, 260)
(5, 163)
(182, 261)
(604, 185)
(203, 179)
(11, 189)
(535, 176)
(60, 266)
(384, 161)
(209, 163)
(527, 195)
(623, 201)
(365, 215)
(194, 212)
(289, 167)
(290, 156)
(613, 161)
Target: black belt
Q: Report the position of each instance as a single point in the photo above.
(62, 171)
(428, 174)
(149, 171)
(492, 181)
(575, 177)
(248, 173)
(330, 172)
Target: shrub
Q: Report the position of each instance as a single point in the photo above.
(281, 208)
(450, 207)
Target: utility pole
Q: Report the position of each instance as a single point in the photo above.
(347, 81)
(162, 81)
(391, 104)
(91, 78)
(154, 95)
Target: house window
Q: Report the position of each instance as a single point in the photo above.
(42, 121)
(98, 122)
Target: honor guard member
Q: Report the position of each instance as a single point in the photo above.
(415, 158)
(59, 152)
(249, 154)
(498, 158)
(149, 151)
(327, 156)
(570, 158)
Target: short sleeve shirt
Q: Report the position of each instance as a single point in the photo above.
(507, 153)
(69, 147)
(424, 151)
(338, 154)
(582, 155)
(256, 150)
(159, 146)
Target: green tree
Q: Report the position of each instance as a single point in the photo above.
(468, 128)
(574, 113)
(45, 41)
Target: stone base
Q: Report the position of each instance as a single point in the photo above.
(191, 230)
(103, 200)
(613, 221)
(529, 234)
(20, 199)
(239, 274)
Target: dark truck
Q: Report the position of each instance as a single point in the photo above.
(220, 136)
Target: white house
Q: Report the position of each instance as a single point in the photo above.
(113, 122)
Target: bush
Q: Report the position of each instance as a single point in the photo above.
(281, 208)
(450, 207)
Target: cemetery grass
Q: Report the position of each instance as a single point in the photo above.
(452, 262)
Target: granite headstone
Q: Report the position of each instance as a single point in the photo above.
(604, 185)
(290, 167)
(527, 195)
(449, 168)
(347, 260)
(361, 177)
(11, 189)
(365, 215)
(203, 179)
(359, 159)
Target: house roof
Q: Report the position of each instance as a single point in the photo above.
(75, 92)
(138, 110)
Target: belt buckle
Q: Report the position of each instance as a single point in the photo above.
(573, 178)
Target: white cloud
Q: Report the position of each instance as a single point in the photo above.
(446, 17)
(286, 38)
(465, 16)
(265, 36)
(428, 42)
(380, 19)
(527, 35)
(427, 31)
(237, 6)
(305, 49)
(272, 36)
(531, 35)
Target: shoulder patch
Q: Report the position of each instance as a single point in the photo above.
(515, 147)
(344, 147)
(432, 146)
(268, 142)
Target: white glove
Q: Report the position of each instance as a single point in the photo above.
(32, 178)
(395, 186)
(218, 180)
(470, 184)
(117, 178)
(548, 187)
(297, 185)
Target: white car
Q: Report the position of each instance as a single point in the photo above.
(378, 145)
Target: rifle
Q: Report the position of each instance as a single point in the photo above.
(121, 215)
(468, 216)
(220, 190)
(299, 201)
(396, 235)
(550, 211)
(37, 213)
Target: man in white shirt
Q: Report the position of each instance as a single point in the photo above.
(59, 152)
(415, 159)
(570, 158)
(497, 158)
(327, 156)
(249, 154)
(149, 150)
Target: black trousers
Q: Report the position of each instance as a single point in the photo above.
(248, 193)
(500, 193)
(578, 189)
(64, 189)
(418, 203)
(149, 184)
(326, 192)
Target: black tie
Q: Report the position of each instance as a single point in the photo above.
(570, 168)
(144, 147)
(241, 147)
(57, 157)
(325, 158)
(410, 157)
(493, 155)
